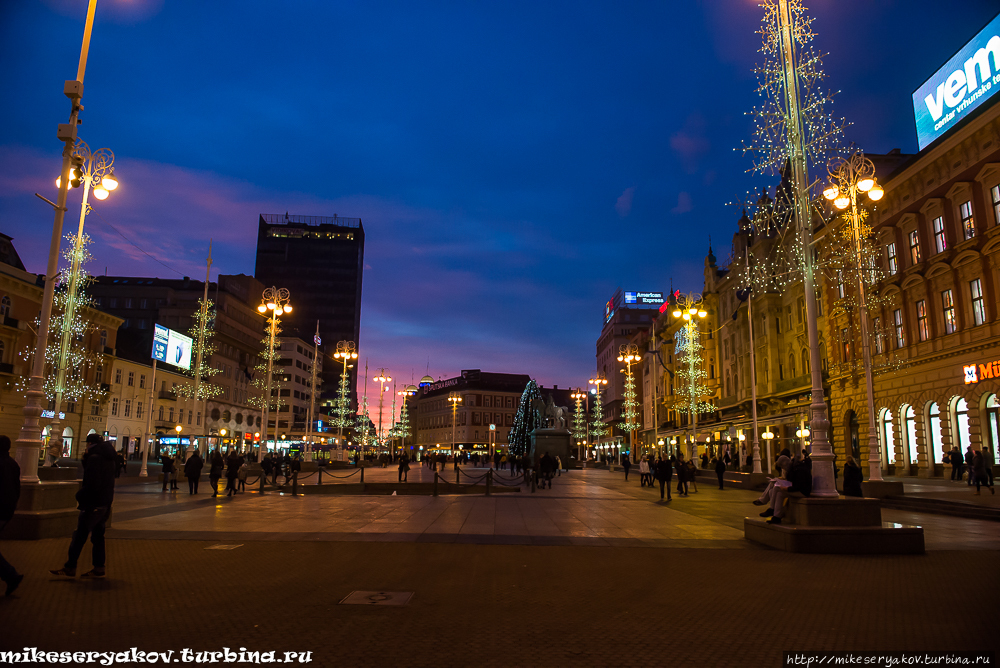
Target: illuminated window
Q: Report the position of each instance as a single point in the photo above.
(914, 247)
(879, 340)
(840, 285)
(968, 224)
(890, 253)
(897, 325)
(933, 429)
(845, 341)
(978, 306)
(995, 196)
(948, 306)
(940, 242)
(922, 332)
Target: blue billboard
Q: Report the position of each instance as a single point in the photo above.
(964, 83)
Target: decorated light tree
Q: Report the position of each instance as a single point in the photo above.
(525, 421)
(691, 386)
(363, 427)
(628, 353)
(267, 359)
(202, 331)
(579, 416)
(598, 427)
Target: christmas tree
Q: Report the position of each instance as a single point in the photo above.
(342, 405)
(579, 417)
(202, 331)
(691, 374)
(363, 427)
(525, 421)
(598, 427)
(630, 407)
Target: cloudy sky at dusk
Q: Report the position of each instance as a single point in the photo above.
(513, 163)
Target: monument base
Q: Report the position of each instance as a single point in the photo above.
(44, 510)
(881, 489)
(556, 442)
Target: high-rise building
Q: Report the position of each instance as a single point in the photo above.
(320, 260)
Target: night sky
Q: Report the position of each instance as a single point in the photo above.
(513, 163)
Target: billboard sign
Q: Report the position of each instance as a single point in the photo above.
(964, 83)
(644, 298)
(171, 347)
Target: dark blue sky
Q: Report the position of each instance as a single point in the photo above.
(513, 163)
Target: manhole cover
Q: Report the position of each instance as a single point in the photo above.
(377, 598)
(223, 547)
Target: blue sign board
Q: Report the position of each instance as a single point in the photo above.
(964, 83)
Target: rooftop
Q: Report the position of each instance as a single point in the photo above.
(286, 219)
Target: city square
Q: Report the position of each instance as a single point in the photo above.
(609, 335)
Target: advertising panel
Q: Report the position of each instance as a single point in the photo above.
(644, 298)
(965, 82)
(171, 347)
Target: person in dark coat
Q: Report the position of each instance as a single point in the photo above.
(720, 469)
(664, 472)
(852, 478)
(955, 459)
(799, 478)
(979, 470)
(168, 467)
(97, 492)
(215, 472)
(626, 464)
(192, 470)
(241, 473)
(546, 466)
(10, 491)
(682, 481)
(404, 467)
(232, 472)
(969, 457)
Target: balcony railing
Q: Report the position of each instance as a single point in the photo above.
(285, 219)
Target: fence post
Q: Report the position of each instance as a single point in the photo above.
(320, 473)
(457, 479)
(362, 475)
(534, 481)
(489, 481)
(435, 483)
(262, 477)
(295, 483)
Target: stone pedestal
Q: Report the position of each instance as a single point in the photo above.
(53, 473)
(556, 442)
(881, 489)
(308, 466)
(44, 510)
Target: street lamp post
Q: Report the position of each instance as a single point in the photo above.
(455, 398)
(597, 381)
(312, 394)
(29, 440)
(849, 177)
(580, 395)
(381, 377)
(628, 353)
(346, 350)
(407, 391)
(274, 302)
(691, 309)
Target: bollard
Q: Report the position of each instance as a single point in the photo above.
(295, 483)
(362, 475)
(262, 476)
(489, 481)
(534, 482)
(457, 480)
(435, 483)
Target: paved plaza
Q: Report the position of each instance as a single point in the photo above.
(594, 572)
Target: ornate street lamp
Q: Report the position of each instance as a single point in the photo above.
(849, 177)
(455, 398)
(346, 351)
(628, 353)
(274, 303)
(381, 377)
(690, 308)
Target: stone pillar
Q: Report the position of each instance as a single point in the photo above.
(975, 426)
(902, 466)
(947, 437)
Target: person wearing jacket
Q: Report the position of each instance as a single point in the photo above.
(682, 482)
(644, 473)
(232, 472)
(955, 459)
(10, 491)
(626, 464)
(979, 469)
(192, 470)
(799, 479)
(215, 472)
(404, 467)
(664, 471)
(168, 469)
(720, 470)
(853, 477)
(97, 492)
(969, 457)
(546, 466)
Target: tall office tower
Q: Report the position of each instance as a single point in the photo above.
(320, 260)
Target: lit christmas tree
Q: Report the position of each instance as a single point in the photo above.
(598, 427)
(525, 421)
(363, 427)
(342, 405)
(630, 405)
(203, 329)
(403, 426)
(691, 376)
(260, 379)
(579, 417)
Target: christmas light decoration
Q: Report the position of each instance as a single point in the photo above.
(628, 353)
(525, 421)
(203, 330)
(579, 416)
(598, 427)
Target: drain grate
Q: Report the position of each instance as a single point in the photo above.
(377, 598)
(221, 546)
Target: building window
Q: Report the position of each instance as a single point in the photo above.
(995, 196)
(99, 374)
(118, 376)
(840, 285)
(128, 302)
(978, 307)
(95, 408)
(933, 429)
(138, 410)
(879, 341)
(114, 407)
(5, 306)
(171, 411)
(845, 341)
(968, 225)
(142, 381)
(961, 422)
(890, 253)
(940, 242)
(160, 418)
(922, 332)
(897, 325)
(948, 305)
(131, 378)
(128, 408)
(914, 247)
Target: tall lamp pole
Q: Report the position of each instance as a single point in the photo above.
(690, 308)
(629, 354)
(275, 302)
(381, 377)
(455, 398)
(312, 394)
(346, 350)
(849, 177)
(29, 442)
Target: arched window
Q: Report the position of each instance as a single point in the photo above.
(728, 386)
(933, 431)
(765, 372)
(886, 434)
(960, 426)
(993, 422)
(854, 436)
(736, 383)
(2, 351)
(909, 434)
(805, 361)
(791, 365)
(5, 306)
(68, 442)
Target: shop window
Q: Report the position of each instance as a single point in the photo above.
(940, 241)
(886, 434)
(968, 224)
(922, 330)
(960, 425)
(948, 308)
(933, 431)
(978, 305)
(910, 433)
(993, 421)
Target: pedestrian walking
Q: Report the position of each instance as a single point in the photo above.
(955, 459)
(97, 492)
(979, 470)
(241, 473)
(215, 471)
(681, 468)
(988, 462)
(664, 471)
(643, 472)
(546, 466)
(692, 474)
(626, 464)
(720, 470)
(232, 471)
(192, 471)
(969, 458)
(178, 467)
(404, 467)
(168, 467)
(853, 476)
(10, 491)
